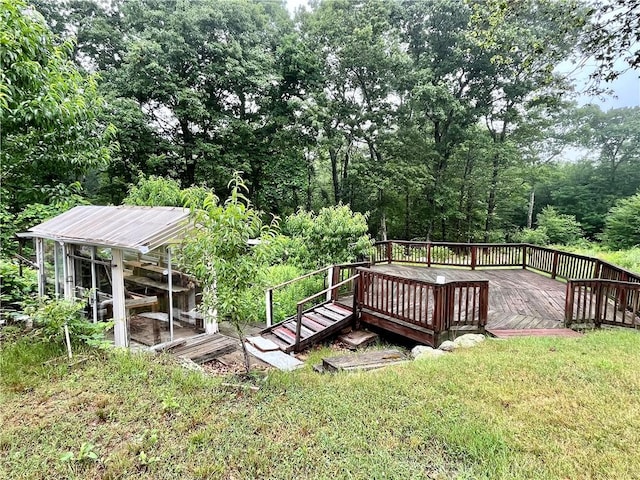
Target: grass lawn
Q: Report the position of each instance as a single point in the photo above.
(522, 408)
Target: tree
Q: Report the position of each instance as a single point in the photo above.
(559, 228)
(50, 134)
(622, 225)
(613, 35)
(219, 256)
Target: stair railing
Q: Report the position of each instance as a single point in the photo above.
(327, 292)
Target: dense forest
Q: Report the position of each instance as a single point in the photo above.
(443, 119)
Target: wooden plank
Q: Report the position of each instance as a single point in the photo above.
(322, 320)
(364, 360)
(278, 359)
(263, 344)
(284, 334)
(304, 331)
(330, 314)
(538, 332)
(281, 344)
(338, 308)
(309, 323)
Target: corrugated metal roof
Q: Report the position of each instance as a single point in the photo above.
(135, 228)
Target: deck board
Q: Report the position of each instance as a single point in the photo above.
(518, 298)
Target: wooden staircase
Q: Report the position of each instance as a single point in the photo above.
(316, 324)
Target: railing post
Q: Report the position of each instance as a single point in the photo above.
(269, 306)
(330, 282)
(356, 300)
(524, 256)
(296, 346)
(599, 294)
(429, 254)
(554, 267)
(438, 308)
(484, 304)
(568, 304)
(474, 257)
(389, 252)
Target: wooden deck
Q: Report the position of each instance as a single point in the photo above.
(518, 298)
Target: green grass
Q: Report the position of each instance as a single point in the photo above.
(523, 408)
(628, 259)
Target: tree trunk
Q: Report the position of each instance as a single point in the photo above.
(491, 200)
(335, 177)
(532, 199)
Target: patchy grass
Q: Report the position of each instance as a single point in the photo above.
(523, 408)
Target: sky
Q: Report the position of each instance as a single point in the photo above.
(625, 90)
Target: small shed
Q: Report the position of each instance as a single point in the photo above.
(119, 259)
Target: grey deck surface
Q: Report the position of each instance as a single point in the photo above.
(518, 298)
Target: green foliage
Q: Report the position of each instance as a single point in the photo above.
(50, 134)
(155, 191)
(16, 289)
(628, 259)
(535, 236)
(333, 235)
(559, 228)
(622, 229)
(51, 315)
(218, 254)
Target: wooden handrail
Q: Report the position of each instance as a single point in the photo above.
(301, 303)
(301, 277)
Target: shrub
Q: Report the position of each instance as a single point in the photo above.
(50, 316)
(333, 235)
(536, 236)
(622, 225)
(15, 289)
(560, 228)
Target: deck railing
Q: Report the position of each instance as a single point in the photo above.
(595, 288)
(608, 302)
(437, 307)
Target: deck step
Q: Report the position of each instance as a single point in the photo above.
(277, 358)
(338, 308)
(321, 319)
(309, 323)
(331, 314)
(304, 331)
(285, 334)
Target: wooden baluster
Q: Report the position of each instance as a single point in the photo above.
(389, 252)
(474, 252)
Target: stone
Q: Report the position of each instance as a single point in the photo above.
(417, 350)
(447, 346)
(430, 354)
(469, 340)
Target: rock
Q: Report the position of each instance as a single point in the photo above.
(447, 346)
(469, 340)
(430, 354)
(417, 350)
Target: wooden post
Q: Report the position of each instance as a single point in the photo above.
(568, 304)
(119, 309)
(67, 272)
(554, 267)
(269, 306)
(524, 256)
(389, 252)
(170, 285)
(94, 285)
(599, 297)
(330, 282)
(429, 254)
(356, 297)
(474, 258)
(298, 327)
(42, 277)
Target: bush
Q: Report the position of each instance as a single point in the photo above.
(14, 288)
(49, 317)
(334, 235)
(622, 225)
(560, 228)
(536, 236)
